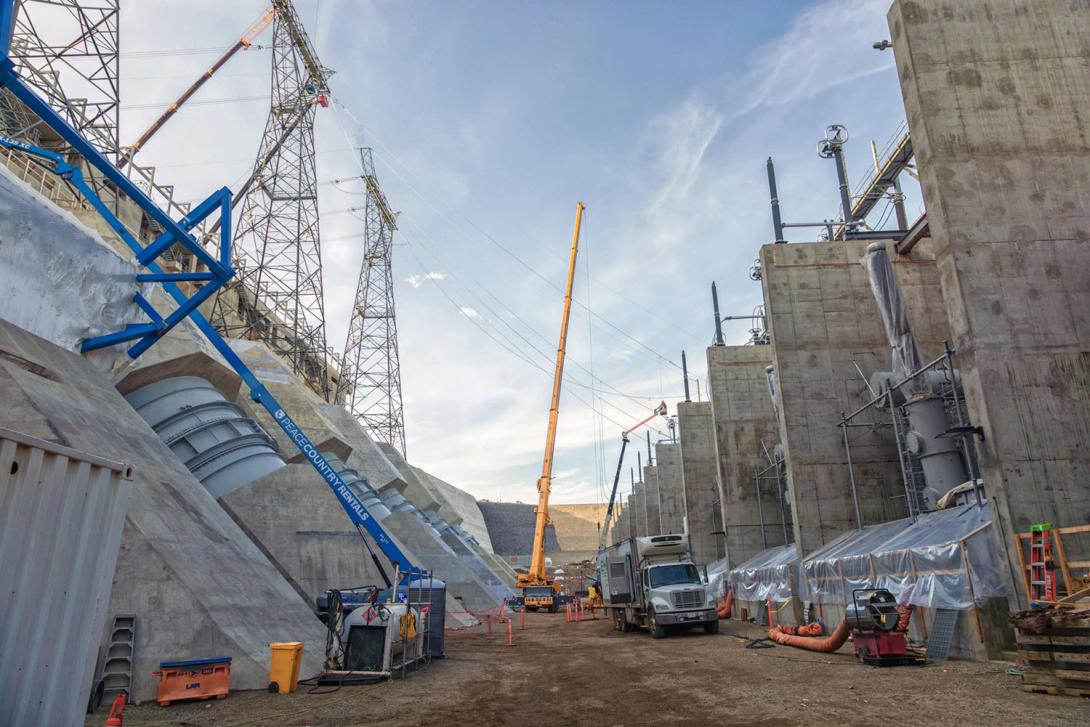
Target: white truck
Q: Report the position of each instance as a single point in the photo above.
(652, 582)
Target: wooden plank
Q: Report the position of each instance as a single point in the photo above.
(1073, 675)
(1073, 529)
(1081, 593)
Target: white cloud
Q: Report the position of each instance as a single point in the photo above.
(417, 280)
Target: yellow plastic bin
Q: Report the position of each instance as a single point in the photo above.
(284, 666)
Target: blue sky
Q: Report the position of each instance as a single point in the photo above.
(489, 121)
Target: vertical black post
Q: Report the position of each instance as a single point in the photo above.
(718, 318)
(639, 462)
(842, 179)
(899, 205)
(650, 458)
(777, 223)
(685, 375)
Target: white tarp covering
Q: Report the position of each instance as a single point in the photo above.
(946, 559)
(60, 280)
(771, 574)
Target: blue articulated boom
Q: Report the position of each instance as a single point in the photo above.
(219, 272)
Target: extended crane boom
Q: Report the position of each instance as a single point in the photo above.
(537, 589)
(244, 41)
(660, 410)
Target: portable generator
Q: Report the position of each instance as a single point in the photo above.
(872, 616)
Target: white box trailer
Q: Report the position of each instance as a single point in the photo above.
(652, 582)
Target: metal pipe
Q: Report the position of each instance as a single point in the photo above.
(896, 386)
(948, 353)
(779, 494)
(650, 457)
(685, 375)
(900, 457)
(761, 514)
(851, 475)
(777, 222)
(899, 204)
(842, 179)
(718, 320)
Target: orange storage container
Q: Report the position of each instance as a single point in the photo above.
(193, 679)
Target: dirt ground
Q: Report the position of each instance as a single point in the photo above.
(586, 673)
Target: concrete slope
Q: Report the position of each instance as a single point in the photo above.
(196, 582)
(459, 507)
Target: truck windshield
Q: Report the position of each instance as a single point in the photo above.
(674, 574)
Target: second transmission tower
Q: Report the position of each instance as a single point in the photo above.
(371, 370)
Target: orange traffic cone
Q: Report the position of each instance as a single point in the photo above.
(117, 711)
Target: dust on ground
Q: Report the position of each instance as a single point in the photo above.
(563, 673)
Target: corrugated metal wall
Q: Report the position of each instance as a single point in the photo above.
(61, 515)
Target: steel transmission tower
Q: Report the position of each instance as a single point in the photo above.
(371, 369)
(68, 50)
(278, 288)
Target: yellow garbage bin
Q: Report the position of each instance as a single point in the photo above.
(284, 666)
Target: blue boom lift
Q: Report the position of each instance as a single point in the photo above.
(145, 335)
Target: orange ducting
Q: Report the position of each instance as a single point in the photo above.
(830, 643)
(904, 616)
(724, 609)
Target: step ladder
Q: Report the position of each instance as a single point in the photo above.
(120, 650)
(1042, 566)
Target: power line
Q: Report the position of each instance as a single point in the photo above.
(489, 237)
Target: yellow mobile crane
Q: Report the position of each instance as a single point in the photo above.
(538, 590)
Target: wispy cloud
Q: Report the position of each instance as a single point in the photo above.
(417, 280)
(469, 312)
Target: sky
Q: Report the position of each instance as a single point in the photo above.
(489, 121)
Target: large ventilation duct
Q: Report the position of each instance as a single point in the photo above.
(361, 487)
(941, 461)
(216, 441)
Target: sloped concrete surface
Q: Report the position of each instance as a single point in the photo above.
(197, 583)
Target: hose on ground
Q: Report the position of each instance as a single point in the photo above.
(830, 643)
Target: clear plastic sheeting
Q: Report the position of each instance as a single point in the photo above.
(883, 282)
(52, 265)
(946, 559)
(717, 578)
(771, 574)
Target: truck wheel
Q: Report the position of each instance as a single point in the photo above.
(620, 622)
(656, 630)
(554, 608)
(711, 627)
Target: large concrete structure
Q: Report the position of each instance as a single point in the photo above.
(746, 432)
(671, 487)
(824, 323)
(995, 95)
(699, 479)
(651, 485)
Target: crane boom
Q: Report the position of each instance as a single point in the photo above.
(536, 574)
(244, 41)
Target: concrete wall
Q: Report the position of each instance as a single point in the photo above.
(196, 582)
(822, 316)
(745, 429)
(651, 485)
(671, 488)
(699, 468)
(996, 95)
(639, 509)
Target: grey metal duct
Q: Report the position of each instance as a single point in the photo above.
(361, 487)
(216, 441)
(939, 457)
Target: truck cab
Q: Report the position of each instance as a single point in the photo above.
(652, 582)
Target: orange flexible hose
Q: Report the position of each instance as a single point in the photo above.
(724, 609)
(830, 643)
(904, 616)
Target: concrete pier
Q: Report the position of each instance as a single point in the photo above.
(671, 487)
(699, 478)
(746, 432)
(996, 97)
(824, 323)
